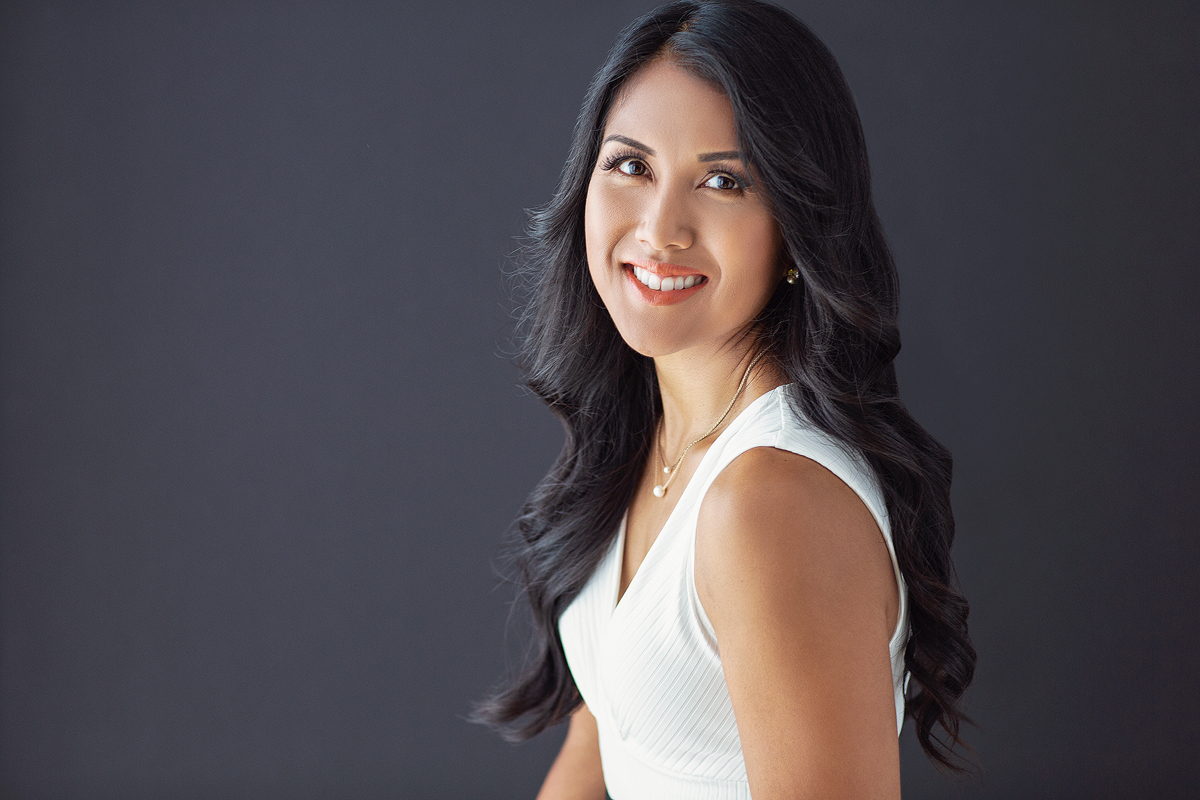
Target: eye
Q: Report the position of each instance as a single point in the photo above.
(627, 163)
(632, 166)
(723, 182)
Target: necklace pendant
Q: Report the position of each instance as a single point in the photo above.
(659, 491)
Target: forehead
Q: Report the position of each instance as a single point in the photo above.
(671, 105)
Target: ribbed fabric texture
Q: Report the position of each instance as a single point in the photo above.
(649, 668)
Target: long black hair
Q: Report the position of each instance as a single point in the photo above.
(833, 335)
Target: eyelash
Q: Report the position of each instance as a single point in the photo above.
(619, 157)
(616, 158)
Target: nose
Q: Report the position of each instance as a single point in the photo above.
(666, 223)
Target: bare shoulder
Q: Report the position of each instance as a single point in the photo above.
(797, 582)
(777, 522)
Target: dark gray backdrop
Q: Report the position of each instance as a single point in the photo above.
(260, 440)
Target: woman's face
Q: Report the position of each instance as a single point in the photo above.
(671, 204)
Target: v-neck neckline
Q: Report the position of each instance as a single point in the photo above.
(617, 597)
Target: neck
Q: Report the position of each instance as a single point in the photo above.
(697, 389)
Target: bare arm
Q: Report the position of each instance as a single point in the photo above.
(576, 773)
(798, 584)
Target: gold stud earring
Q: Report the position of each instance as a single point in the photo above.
(792, 275)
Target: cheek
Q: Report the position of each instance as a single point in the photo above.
(762, 249)
(599, 232)
(750, 247)
(592, 230)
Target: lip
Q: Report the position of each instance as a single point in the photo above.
(663, 270)
(654, 298)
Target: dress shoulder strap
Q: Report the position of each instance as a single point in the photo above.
(773, 421)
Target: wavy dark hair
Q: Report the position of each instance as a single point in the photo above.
(833, 335)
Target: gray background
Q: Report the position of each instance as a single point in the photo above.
(260, 439)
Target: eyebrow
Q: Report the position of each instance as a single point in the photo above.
(616, 137)
(724, 155)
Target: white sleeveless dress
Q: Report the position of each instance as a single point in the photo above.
(649, 667)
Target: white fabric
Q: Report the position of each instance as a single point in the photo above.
(648, 667)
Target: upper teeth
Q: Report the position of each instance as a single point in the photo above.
(665, 284)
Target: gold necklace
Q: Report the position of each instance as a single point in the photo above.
(661, 489)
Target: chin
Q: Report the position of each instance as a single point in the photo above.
(650, 341)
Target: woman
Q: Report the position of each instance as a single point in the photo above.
(742, 553)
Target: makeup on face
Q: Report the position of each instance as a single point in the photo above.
(681, 247)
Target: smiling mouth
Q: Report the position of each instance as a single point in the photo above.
(657, 284)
